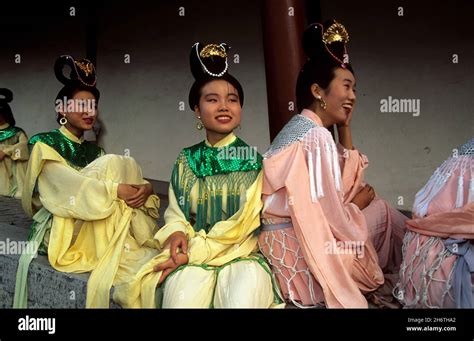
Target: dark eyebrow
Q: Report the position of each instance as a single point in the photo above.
(350, 81)
(229, 94)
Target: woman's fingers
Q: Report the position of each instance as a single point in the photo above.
(174, 245)
(167, 267)
(166, 264)
(139, 193)
(165, 274)
(135, 203)
(371, 192)
(138, 199)
(159, 267)
(125, 192)
(184, 246)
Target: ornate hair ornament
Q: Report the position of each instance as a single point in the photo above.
(213, 50)
(211, 56)
(86, 66)
(82, 70)
(336, 32)
(328, 38)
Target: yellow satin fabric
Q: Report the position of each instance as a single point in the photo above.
(226, 241)
(92, 230)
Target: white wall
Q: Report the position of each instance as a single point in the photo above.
(140, 103)
(409, 56)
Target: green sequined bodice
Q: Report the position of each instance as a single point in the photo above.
(9, 132)
(227, 171)
(235, 157)
(78, 155)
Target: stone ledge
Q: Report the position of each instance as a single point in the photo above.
(47, 288)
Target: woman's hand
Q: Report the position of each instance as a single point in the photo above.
(364, 197)
(141, 195)
(125, 191)
(170, 265)
(175, 240)
(344, 132)
(346, 122)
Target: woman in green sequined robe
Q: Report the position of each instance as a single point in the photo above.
(209, 247)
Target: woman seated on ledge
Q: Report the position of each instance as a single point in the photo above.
(210, 255)
(92, 212)
(330, 240)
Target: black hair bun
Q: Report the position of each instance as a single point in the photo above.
(7, 95)
(313, 45)
(326, 40)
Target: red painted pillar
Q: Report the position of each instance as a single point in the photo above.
(283, 25)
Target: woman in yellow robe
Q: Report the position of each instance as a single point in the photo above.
(209, 247)
(92, 212)
(13, 150)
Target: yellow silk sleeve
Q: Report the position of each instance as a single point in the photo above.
(174, 220)
(17, 151)
(231, 238)
(67, 193)
(226, 241)
(64, 191)
(227, 235)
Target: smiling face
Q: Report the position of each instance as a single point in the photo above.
(219, 108)
(83, 114)
(340, 96)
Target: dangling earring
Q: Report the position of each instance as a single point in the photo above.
(322, 103)
(63, 120)
(199, 124)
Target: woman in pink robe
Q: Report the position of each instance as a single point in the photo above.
(440, 238)
(327, 236)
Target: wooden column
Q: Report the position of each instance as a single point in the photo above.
(283, 24)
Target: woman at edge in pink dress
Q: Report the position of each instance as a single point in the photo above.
(438, 249)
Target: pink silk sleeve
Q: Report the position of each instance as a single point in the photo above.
(458, 223)
(353, 164)
(346, 220)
